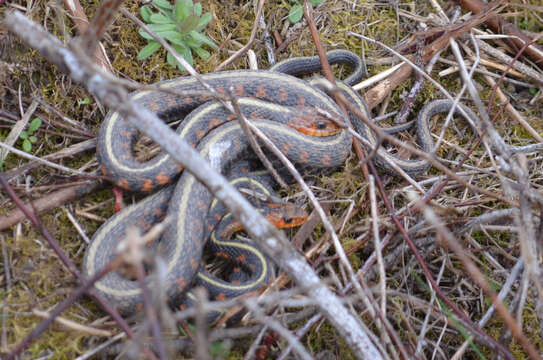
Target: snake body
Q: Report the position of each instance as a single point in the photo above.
(220, 142)
(274, 100)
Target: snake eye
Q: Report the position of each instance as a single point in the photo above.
(321, 125)
(287, 220)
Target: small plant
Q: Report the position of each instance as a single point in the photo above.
(181, 25)
(85, 101)
(28, 136)
(296, 11)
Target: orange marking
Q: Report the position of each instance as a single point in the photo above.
(144, 224)
(201, 205)
(222, 254)
(285, 148)
(171, 101)
(147, 185)
(304, 157)
(213, 123)
(154, 106)
(159, 212)
(301, 100)
(126, 133)
(162, 179)
(200, 134)
(240, 90)
(181, 283)
(261, 91)
(193, 263)
(283, 95)
(241, 259)
(326, 160)
(187, 100)
(124, 184)
(221, 296)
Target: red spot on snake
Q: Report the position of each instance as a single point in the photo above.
(304, 157)
(187, 100)
(326, 160)
(222, 254)
(154, 106)
(213, 123)
(144, 224)
(261, 91)
(124, 184)
(283, 95)
(147, 185)
(181, 283)
(221, 296)
(240, 90)
(171, 101)
(162, 179)
(241, 259)
(193, 264)
(301, 100)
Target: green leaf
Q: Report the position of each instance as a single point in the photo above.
(163, 4)
(23, 135)
(27, 145)
(316, 2)
(148, 50)
(157, 28)
(160, 19)
(202, 53)
(171, 59)
(204, 20)
(203, 39)
(34, 124)
(532, 91)
(193, 44)
(197, 9)
(33, 139)
(146, 13)
(295, 14)
(161, 27)
(183, 8)
(189, 24)
(185, 53)
(173, 37)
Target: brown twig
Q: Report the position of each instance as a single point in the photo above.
(499, 25)
(49, 202)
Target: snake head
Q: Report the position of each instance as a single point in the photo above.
(312, 122)
(285, 215)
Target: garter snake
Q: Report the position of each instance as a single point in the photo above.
(273, 100)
